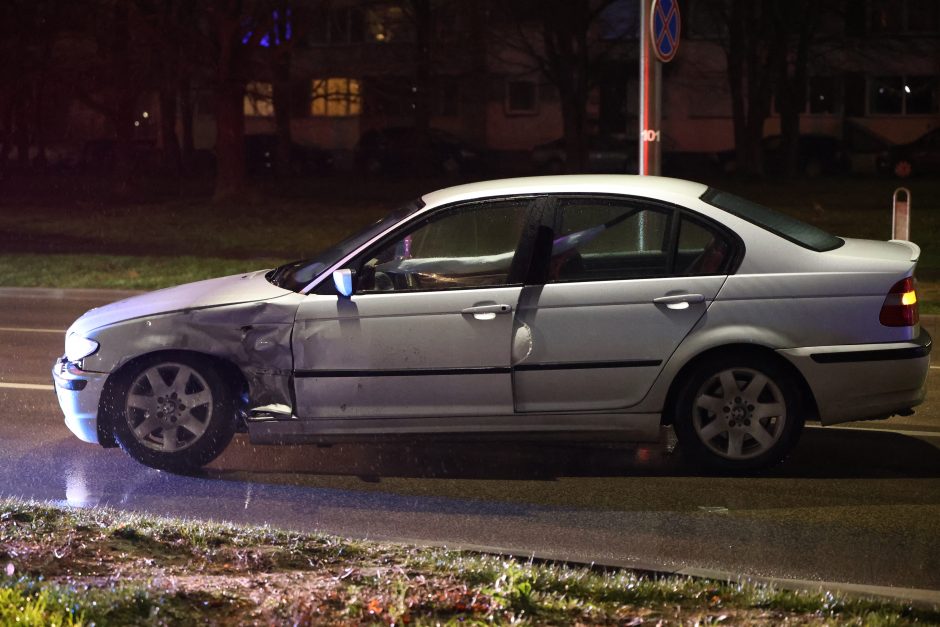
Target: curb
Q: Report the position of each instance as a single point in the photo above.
(928, 599)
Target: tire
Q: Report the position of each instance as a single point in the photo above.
(737, 413)
(173, 413)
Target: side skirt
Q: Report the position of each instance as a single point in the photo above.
(628, 427)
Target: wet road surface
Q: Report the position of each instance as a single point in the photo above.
(857, 505)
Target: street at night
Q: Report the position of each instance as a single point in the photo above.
(857, 504)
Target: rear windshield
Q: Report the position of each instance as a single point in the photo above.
(797, 231)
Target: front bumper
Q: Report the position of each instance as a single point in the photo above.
(79, 392)
(864, 381)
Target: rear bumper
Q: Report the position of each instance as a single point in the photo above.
(864, 381)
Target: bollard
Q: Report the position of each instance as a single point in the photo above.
(901, 214)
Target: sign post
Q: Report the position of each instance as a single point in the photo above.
(901, 214)
(659, 42)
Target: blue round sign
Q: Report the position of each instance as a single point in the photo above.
(664, 28)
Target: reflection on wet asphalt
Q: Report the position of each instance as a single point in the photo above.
(858, 506)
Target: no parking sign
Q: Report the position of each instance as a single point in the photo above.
(665, 26)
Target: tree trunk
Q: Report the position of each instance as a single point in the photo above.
(229, 111)
(230, 140)
(423, 153)
(171, 147)
(281, 96)
(187, 147)
(796, 17)
(22, 131)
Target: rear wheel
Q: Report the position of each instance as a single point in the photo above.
(173, 414)
(735, 412)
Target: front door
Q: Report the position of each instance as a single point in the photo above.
(626, 282)
(429, 328)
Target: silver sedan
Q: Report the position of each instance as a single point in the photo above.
(569, 306)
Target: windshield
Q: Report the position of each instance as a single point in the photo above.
(796, 231)
(297, 275)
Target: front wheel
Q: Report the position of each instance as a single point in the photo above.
(738, 413)
(173, 414)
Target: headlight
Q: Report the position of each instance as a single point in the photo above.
(77, 347)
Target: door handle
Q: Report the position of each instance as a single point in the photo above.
(486, 312)
(679, 301)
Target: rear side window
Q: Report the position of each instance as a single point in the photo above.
(701, 250)
(796, 231)
(599, 240)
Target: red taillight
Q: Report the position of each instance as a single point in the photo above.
(900, 308)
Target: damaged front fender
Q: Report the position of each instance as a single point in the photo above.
(254, 337)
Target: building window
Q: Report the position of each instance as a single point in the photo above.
(335, 97)
(921, 95)
(823, 95)
(903, 95)
(258, 101)
(446, 98)
(522, 98)
(387, 24)
(337, 26)
(903, 16)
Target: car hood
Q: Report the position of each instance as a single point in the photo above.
(238, 288)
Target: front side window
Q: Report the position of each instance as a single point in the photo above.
(466, 247)
(600, 239)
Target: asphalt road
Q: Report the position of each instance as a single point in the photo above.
(858, 505)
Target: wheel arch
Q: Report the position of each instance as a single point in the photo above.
(753, 351)
(230, 374)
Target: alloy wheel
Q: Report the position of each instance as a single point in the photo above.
(169, 407)
(739, 413)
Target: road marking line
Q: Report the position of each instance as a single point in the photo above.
(22, 330)
(914, 434)
(27, 386)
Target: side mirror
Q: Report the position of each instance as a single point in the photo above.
(343, 280)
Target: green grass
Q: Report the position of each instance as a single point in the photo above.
(81, 566)
(118, 271)
(62, 237)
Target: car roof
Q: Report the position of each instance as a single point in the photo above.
(626, 184)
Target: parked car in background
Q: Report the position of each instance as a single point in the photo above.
(398, 149)
(100, 155)
(921, 156)
(606, 154)
(261, 156)
(567, 305)
(817, 154)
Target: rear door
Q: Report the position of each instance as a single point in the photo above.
(625, 282)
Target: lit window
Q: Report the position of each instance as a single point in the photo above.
(388, 23)
(258, 100)
(336, 97)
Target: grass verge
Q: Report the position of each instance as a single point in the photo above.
(77, 567)
(118, 271)
(60, 236)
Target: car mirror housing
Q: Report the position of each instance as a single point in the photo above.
(343, 280)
